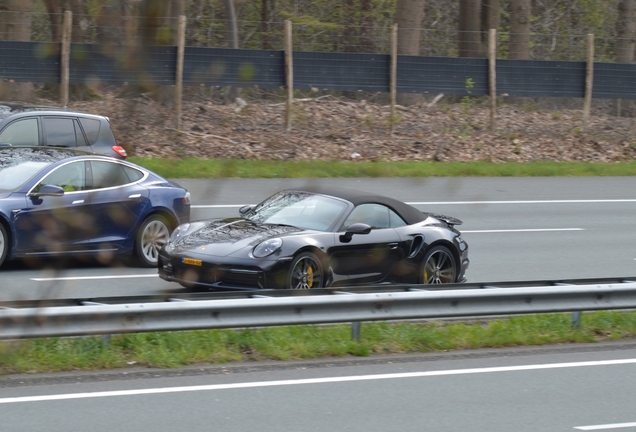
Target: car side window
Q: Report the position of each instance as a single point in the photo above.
(374, 215)
(59, 132)
(133, 174)
(395, 220)
(91, 129)
(108, 174)
(22, 133)
(70, 177)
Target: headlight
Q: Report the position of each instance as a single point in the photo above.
(183, 230)
(268, 247)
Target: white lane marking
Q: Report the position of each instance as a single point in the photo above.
(525, 202)
(92, 277)
(607, 426)
(523, 230)
(596, 201)
(314, 381)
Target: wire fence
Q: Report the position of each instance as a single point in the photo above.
(210, 31)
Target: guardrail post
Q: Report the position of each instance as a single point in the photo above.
(356, 328)
(576, 320)
(289, 74)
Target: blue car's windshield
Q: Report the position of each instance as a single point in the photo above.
(15, 172)
(299, 209)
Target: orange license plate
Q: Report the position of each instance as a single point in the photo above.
(191, 261)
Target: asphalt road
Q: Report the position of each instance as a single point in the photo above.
(552, 389)
(517, 229)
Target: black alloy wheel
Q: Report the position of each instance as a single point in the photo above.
(305, 272)
(438, 266)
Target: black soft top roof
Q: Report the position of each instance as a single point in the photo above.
(409, 213)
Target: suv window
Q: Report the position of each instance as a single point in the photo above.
(60, 132)
(91, 129)
(21, 133)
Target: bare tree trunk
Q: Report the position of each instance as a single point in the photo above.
(469, 28)
(15, 25)
(489, 20)
(265, 25)
(625, 33)
(366, 30)
(54, 10)
(233, 42)
(349, 34)
(408, 17)
(519, 46)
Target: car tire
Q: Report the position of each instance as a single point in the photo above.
(438, 266)
(305, 272)
(4, 244)
(151, 236)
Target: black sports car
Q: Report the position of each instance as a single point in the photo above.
(317, 237)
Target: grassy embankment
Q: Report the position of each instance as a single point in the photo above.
(174, 349)
(198, 168)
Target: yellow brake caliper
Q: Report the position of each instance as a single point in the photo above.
(310, 277)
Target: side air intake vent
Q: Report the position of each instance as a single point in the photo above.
(418, 241)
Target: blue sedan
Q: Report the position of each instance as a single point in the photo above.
(57, 202)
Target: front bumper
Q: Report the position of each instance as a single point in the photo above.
(223, 274)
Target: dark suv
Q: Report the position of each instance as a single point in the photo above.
(33, 125)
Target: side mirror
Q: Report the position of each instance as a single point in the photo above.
(245, 209)
(356, 228)
(48, 190)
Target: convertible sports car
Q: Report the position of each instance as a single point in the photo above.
(57, 202)
(317, 237)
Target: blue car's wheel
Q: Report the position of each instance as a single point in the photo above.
(305, 272)
(438, 266)
(152, 235)
(4, 244)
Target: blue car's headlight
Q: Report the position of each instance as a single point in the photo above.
(268, 247)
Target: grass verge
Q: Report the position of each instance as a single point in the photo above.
(232, 168)
(176, 349)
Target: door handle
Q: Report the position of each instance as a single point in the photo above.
(78, 202)
(134, 196)
(392, 245)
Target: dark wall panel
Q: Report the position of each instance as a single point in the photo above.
(614, 81)
(234, 67)
(541, 78)
(341, 71)
(29, 62)
(90, 63)
(100, 63)
(458, 76)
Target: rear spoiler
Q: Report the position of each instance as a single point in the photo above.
(448, 219)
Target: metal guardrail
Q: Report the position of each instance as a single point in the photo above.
(319, 307)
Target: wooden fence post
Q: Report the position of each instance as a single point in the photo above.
(179, 72)
(492, 66)
(65, 56)
(289, 74)
(589, 79)
(393, 74)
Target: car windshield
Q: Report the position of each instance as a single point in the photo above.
(15, 172)
(299, 209)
